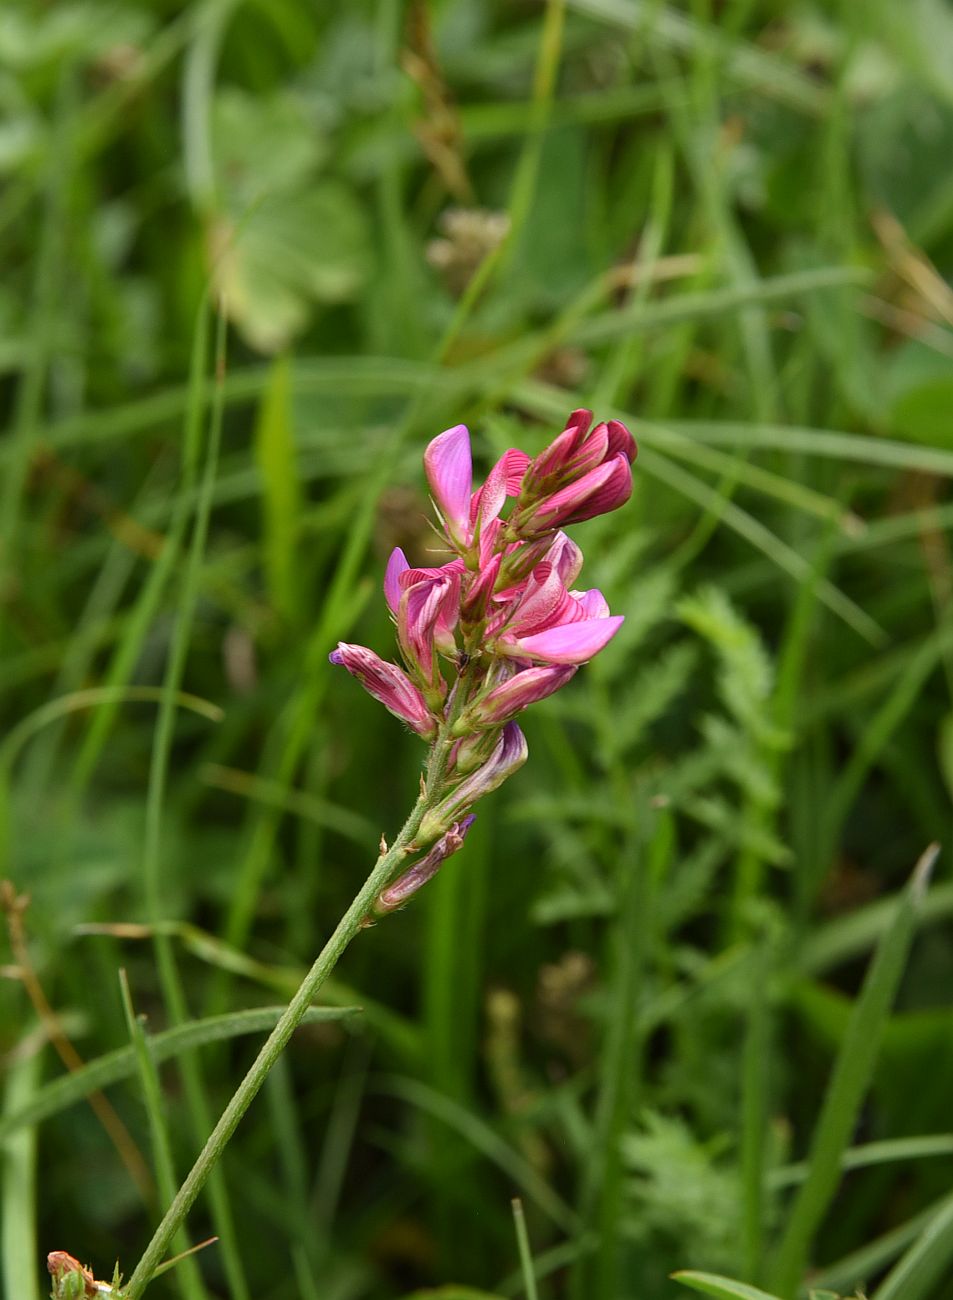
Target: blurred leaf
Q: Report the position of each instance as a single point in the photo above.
(722, 1287)
(919, 391)
(680, 1189)
(904, 142)
(283, 238)
(945, 746)
(121, 1064)
(850, 1080)
(263, 145)
(275, 453)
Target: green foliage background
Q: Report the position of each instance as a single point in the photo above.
(637, 999)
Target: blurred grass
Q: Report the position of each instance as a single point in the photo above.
(728, 223)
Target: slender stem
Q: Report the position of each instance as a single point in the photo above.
(384, 869)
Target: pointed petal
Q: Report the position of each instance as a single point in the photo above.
(388, 684)
(572, 643)
(396, 565)
(449, 468)
(592, 603)
(621, 441)
(566, 557)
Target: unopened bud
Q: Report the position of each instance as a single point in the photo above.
(510, 698)
(397, 894)
(510, 753)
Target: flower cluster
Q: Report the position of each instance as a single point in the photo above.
(500, 625)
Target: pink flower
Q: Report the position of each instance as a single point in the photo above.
(389, 684)
(465, 514)
(427, 613)
(449, 469)
(396, 565)
(545, 622)
(598, 492)
(511, 697)
(579, 475)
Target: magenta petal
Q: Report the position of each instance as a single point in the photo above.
(396, 565)
(573, 643)
(388, 684)
(566, 558)
(510, 697)
(621, 441)
(449, 470)
(503, 481)
(593, 604)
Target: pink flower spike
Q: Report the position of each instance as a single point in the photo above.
(570, 643)
(397, 894)
(510, 698)
(449, 468)
(389, 684)
(396, 565)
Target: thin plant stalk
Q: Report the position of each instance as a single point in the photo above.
(352, 921)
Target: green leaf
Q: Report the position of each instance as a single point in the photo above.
(916, 1274)
(121, 1064)
(712, 1284)
(452, 1293)
(282, 238)
(277, 463)
(286, 253)
(853, 1071)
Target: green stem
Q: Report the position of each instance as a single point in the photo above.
(352, 921)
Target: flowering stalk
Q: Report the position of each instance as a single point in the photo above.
(481, 637)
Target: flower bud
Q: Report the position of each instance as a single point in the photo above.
(598, 492)
(510, 753)
(397, 894)
(389, 684)
(505, 701)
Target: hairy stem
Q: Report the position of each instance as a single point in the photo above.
(352, 920)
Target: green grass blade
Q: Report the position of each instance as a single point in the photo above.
(527, 1267)
(188, 1277)
(121, 1064)
(874, 1153)
(751, 66)
(916, 1274)
(281, 497)
(722, 1287)
(870, 1259)
(18, 1256)
(853, 1071)
(479, 1134)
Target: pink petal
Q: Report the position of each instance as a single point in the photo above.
(592, 603)
(449, 470)
(566, 558)
(545, 602)
(591, 453)
(396, 565)
(621, 441)
(503, 481)
(573, 643)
